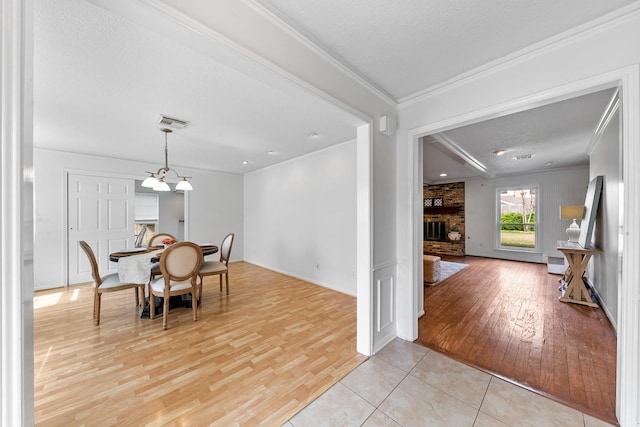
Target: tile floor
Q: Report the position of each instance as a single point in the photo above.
(407, 384)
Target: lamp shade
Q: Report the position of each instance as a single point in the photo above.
(184, 185)
(571, 212)
(162, 186)
(150, 182)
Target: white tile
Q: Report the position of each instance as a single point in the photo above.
(590, 421)
(415, 403)
(516, 406)
(374, 380)
(484, 420)
(379, 419)
(402, 354)
(457, 379)
(338, 406)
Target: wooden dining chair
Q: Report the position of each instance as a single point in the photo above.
(179, 265)
(108, 283)
(156, 239)
(211, 268)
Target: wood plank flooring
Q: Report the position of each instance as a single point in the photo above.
(504, 317)
(254, 357)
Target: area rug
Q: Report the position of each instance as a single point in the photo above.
(448, 269)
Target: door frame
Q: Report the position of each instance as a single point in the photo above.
(101, 174)
(628, 81)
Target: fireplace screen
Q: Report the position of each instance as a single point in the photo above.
(435, 230)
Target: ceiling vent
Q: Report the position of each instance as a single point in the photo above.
(523, 156)
(171, 122)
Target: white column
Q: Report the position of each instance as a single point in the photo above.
(16, 213)
(364, 257)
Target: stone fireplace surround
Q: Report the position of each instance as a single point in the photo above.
(451, 213)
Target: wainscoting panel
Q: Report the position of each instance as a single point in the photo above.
(384, 303)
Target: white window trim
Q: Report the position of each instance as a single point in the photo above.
(497, 213)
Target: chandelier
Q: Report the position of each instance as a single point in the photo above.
(157, 180)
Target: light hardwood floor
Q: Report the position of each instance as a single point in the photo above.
(504, 317)
(254, 357)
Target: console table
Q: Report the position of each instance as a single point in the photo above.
(573, 288)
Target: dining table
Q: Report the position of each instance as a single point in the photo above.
(207, 249)
(134, 266)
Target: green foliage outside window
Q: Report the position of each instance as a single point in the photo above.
(513, 221)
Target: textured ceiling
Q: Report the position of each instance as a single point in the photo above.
(100, 82)
(101, 79)
(405, 47)
(555, 136)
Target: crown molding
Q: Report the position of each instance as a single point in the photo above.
(463, 154)
(339, 146)
(597, 25)
(607, 115)
(160, 9)
(304, 37)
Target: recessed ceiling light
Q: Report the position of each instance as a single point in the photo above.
(443, 174)
(313, 134)
(246, 162)
(499, 152)
(548, 163)
(271, 152)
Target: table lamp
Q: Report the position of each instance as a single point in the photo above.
(572, 212)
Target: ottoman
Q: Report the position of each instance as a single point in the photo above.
(431, 268)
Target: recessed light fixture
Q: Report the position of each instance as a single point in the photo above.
(443, 174)
(313, 134)
(271, 152)
(246, 162)
(499, 152)
(549, 163)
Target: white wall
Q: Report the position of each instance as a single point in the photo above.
(555, 188)
(214, 207)
(603, 271)
(300, 217)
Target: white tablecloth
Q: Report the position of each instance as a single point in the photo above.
(135, 268)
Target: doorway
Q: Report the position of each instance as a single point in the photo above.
(158, 212)
(102, 211)
(628, 325)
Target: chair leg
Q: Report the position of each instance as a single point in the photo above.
(152, 305)
(220, 282)
(194, 303)
(95, 303)
(165, 312)
(96, 319)
(137, 291)
(200, 288)
(226, 278)
(95, 295)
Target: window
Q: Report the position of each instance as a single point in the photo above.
(517, 218)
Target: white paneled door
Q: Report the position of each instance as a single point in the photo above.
(101, 212)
